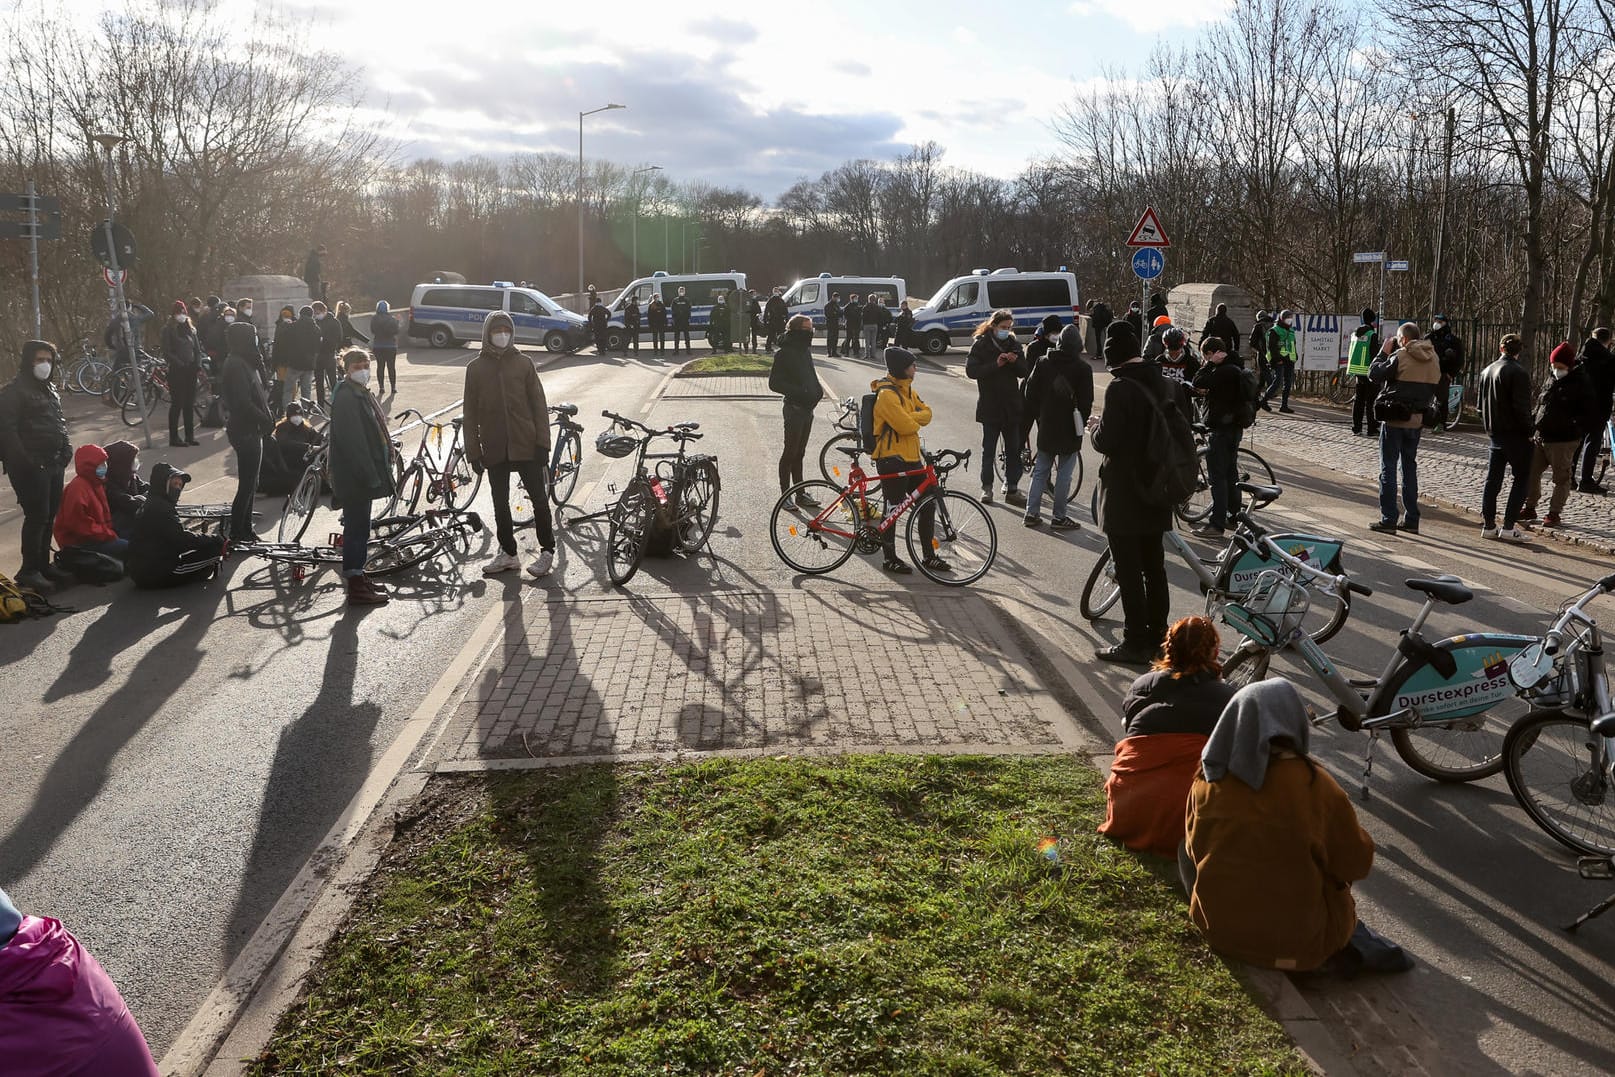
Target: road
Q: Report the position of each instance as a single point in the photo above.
(185, 753)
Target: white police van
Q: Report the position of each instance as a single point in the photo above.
(701, 289)
(810, 295)
(964, 302)
(443, 314)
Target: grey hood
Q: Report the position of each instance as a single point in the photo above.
(1259, 714)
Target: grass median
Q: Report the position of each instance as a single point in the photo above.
(732, 363)
(859, 915)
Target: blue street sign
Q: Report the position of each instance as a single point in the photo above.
(1148, 262)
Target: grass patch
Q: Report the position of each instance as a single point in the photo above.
(862, 915)
(730, 363)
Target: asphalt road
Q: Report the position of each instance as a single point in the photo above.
(180, 755)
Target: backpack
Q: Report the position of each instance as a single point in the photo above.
(214, 417)
(1169, 470)
(1250, 386)
(89, 566)
(17, 603)
(866, 423)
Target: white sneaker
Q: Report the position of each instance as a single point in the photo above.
(1489, 532)
(504, 562)
(1511, 534)
(540, 565)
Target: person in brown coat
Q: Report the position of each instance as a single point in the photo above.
(506, 430)
(1406, 385)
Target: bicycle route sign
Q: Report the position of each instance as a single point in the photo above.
(1148, 262)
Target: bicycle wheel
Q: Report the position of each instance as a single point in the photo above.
(1100, 592)
(1464, 750)
(1555, 767)
(407, 492)
(461, 482)
(564, 469)
(1001, 465)
(91, 375)
(835, 464)
(814, 540)
(631, 519)
(1245, 667)
(1076, 483)
(131, 411)
(1197, 506)
(1253, 468)
(396, 556)
(1341, 388)
(698, 506)
(963, 537)
(299, 507)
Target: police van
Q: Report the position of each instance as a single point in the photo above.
(964, 302)
(810, 295)
(444, 314)
(701, 289)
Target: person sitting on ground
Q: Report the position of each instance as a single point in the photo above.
(1168, 714)
(125, 489)
(162, 551)
(286, 452)
(85, 519)
(1272, 845)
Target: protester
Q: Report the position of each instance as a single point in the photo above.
(899, 415)
(1221, 326)
(832, 325)
(1282, 354)
(1505, 408)
(1134, 527)
(1259, 341)
(775, 312)
(1364, 343)
(1450, 357)
(313, 272)
(286, 452)
(793, 378)
(1157, 309)
(1167, 715)
(853, 312)
(1599, 364)
(872, 314)
(34, 449)
(125, 489)
(1156, 344)
(384, 346)
(215, 341)
(1406, 381)
(1222, 382)
(1059, 395)
(506, 429)
(162, 551)
(1099, 319)
(246, 405)
(997, 363)
(60, 1013)
(883, 323)
(330, 343)
(182, 352)
(1135, 320)
(344, 318)
(1566, 407)
(85, 519)
(1272, 845)
(297, 352)
(1044, 338)
(1178, 361)
(630, 322)
(905, 327)
(361, 470)
(681, 321)
(741, 322)
(124, 349)
(656, 315)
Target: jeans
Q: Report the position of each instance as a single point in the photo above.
(39, 495)
(1283, 377)
(1011, 435)
(249, 449)
(896, 490)
(181, 402)
(1040, 481)
(832, 336)
(386, 361)
(532, 476)
(1397, 445)
(871, 335)
(1561, 457)
(798, 426)
(1222, 470)
(117, 549)
(1141, 577)
(300, 382)
(1510, 453)
(355, 536)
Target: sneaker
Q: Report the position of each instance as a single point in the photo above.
(1016, 498)
(1286, 409)
(805, 500)
(1265, 407)
(1124, 655)
(1409, 529)
(1033, 521)
(1511, 534)
(1384, 527)
(1550, 520)
(896, 567)
(1587, 486)
(502, 562)
(936, 564)
(1208, 531)
(1489, 530)
(986, 497)
(1526, 516)
(34, 580)
(541, 565)
(1065, 523)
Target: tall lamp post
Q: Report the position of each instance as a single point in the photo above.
(109, 142)
(637, 196)
(591, 112)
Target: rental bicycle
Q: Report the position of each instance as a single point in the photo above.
(1560, 758)
(454, 483)
(1251, 550)
(962, 546)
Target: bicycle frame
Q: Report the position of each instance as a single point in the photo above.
(859, 484)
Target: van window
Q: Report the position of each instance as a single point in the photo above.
(808, 293)
(701, 293)
(438, 297)
(475, 298)
(522, 303)
(1034, 292)
(881, 292)
(963, 296)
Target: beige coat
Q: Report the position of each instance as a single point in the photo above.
(506, 414)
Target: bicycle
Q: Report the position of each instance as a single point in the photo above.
(1249, 468)
(962, 549)
(1340, 388)
(157, 389)
(567, 454)
(1441, 702)
(1229, 577)
(846, 421)
(396, 543)
(1560, 758)
(455, 483)
(86, 372)
(673, 505)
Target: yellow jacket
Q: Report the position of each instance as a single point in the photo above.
(899, 414)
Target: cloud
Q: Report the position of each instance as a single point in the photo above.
(851, 67)
(728, 31)
(1156, 16)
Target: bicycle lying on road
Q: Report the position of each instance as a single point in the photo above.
(396, 543)
(963, 545)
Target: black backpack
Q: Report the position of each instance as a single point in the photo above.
(866, 423)
(1250, 386)
(89, 566)
(1169, 470)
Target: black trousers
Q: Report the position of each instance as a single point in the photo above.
(1510, 453)
(798, 426)
(1594, 442)
(600, 341)
(832, 336)
(633, 338)
(324, 377)
(249, 449)
(1362, 407)
(39, 495)
(681, 332)
(1141, 577)
(386, 366)
(658, 338)
(896, 490)
(532, 476)
(181, 402)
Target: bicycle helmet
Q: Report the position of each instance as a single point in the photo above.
(615, 444)
(1173, 338)
(1160, 320)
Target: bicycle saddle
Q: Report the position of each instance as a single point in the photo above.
(686, 426)
(1261, 493)
(568, 410)
(1448, 589)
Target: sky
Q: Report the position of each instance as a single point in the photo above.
(757, 95)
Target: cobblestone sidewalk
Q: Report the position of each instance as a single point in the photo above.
(615, 676)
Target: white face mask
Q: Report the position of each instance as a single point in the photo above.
(42, 370)
(360, 377)
(180, 319)
(1559, 372)
(501, 340)
(297, 420)
(229, 318)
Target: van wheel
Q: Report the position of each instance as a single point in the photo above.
(935, 343)
(616, 341)
(440, 337)
(555, 341)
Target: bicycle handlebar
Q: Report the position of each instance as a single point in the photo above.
(672, 431)
(1355, 587)
(406, 413)
(1554, 640)
(945, 460)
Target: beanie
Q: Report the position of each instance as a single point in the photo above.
(1121, 344)
(179, 307)
(1369, 317)
(1564, 355)
(898, 360)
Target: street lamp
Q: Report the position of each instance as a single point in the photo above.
(109, 142)
(637, 196)
(591, 112)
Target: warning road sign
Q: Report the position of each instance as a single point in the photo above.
(1148, 231)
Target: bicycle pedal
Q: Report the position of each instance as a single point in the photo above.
(611, 487)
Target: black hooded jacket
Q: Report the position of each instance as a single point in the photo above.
(33, 431)
(1058, 392)
(1599, 365)
(159, 539)
(1221, 325)
(246, 400)
(792, 375)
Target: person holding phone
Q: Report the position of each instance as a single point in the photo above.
(997, 364)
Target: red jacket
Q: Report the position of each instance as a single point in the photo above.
(1148, 790)
(85, 515)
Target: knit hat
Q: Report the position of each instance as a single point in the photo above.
(898, 360)
(1051, 325)
(294, 408)
(1564, 355)
(1160, 320)
(1369, 317)
(1121, 343)
(179, 307)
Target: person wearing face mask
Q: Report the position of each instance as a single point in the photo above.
(330, 343)
(1281, 356)
(507, 431)
(85, 520)
(1566, 409)
(246, 403)
(183, 354)
(793, 378)
(126, 490)
(872, 316)
(34, 448)
(215, 341)
(680, 308)
(361, 470)
(286, 452)
(656, 319)
(384, 346)
(162, 551)
(854, 314)
(300, 353)
(899, 416)
(775, 313)
(997, 364)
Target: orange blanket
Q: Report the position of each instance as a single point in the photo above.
(1148, 790)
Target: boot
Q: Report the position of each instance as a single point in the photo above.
(361, 592)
